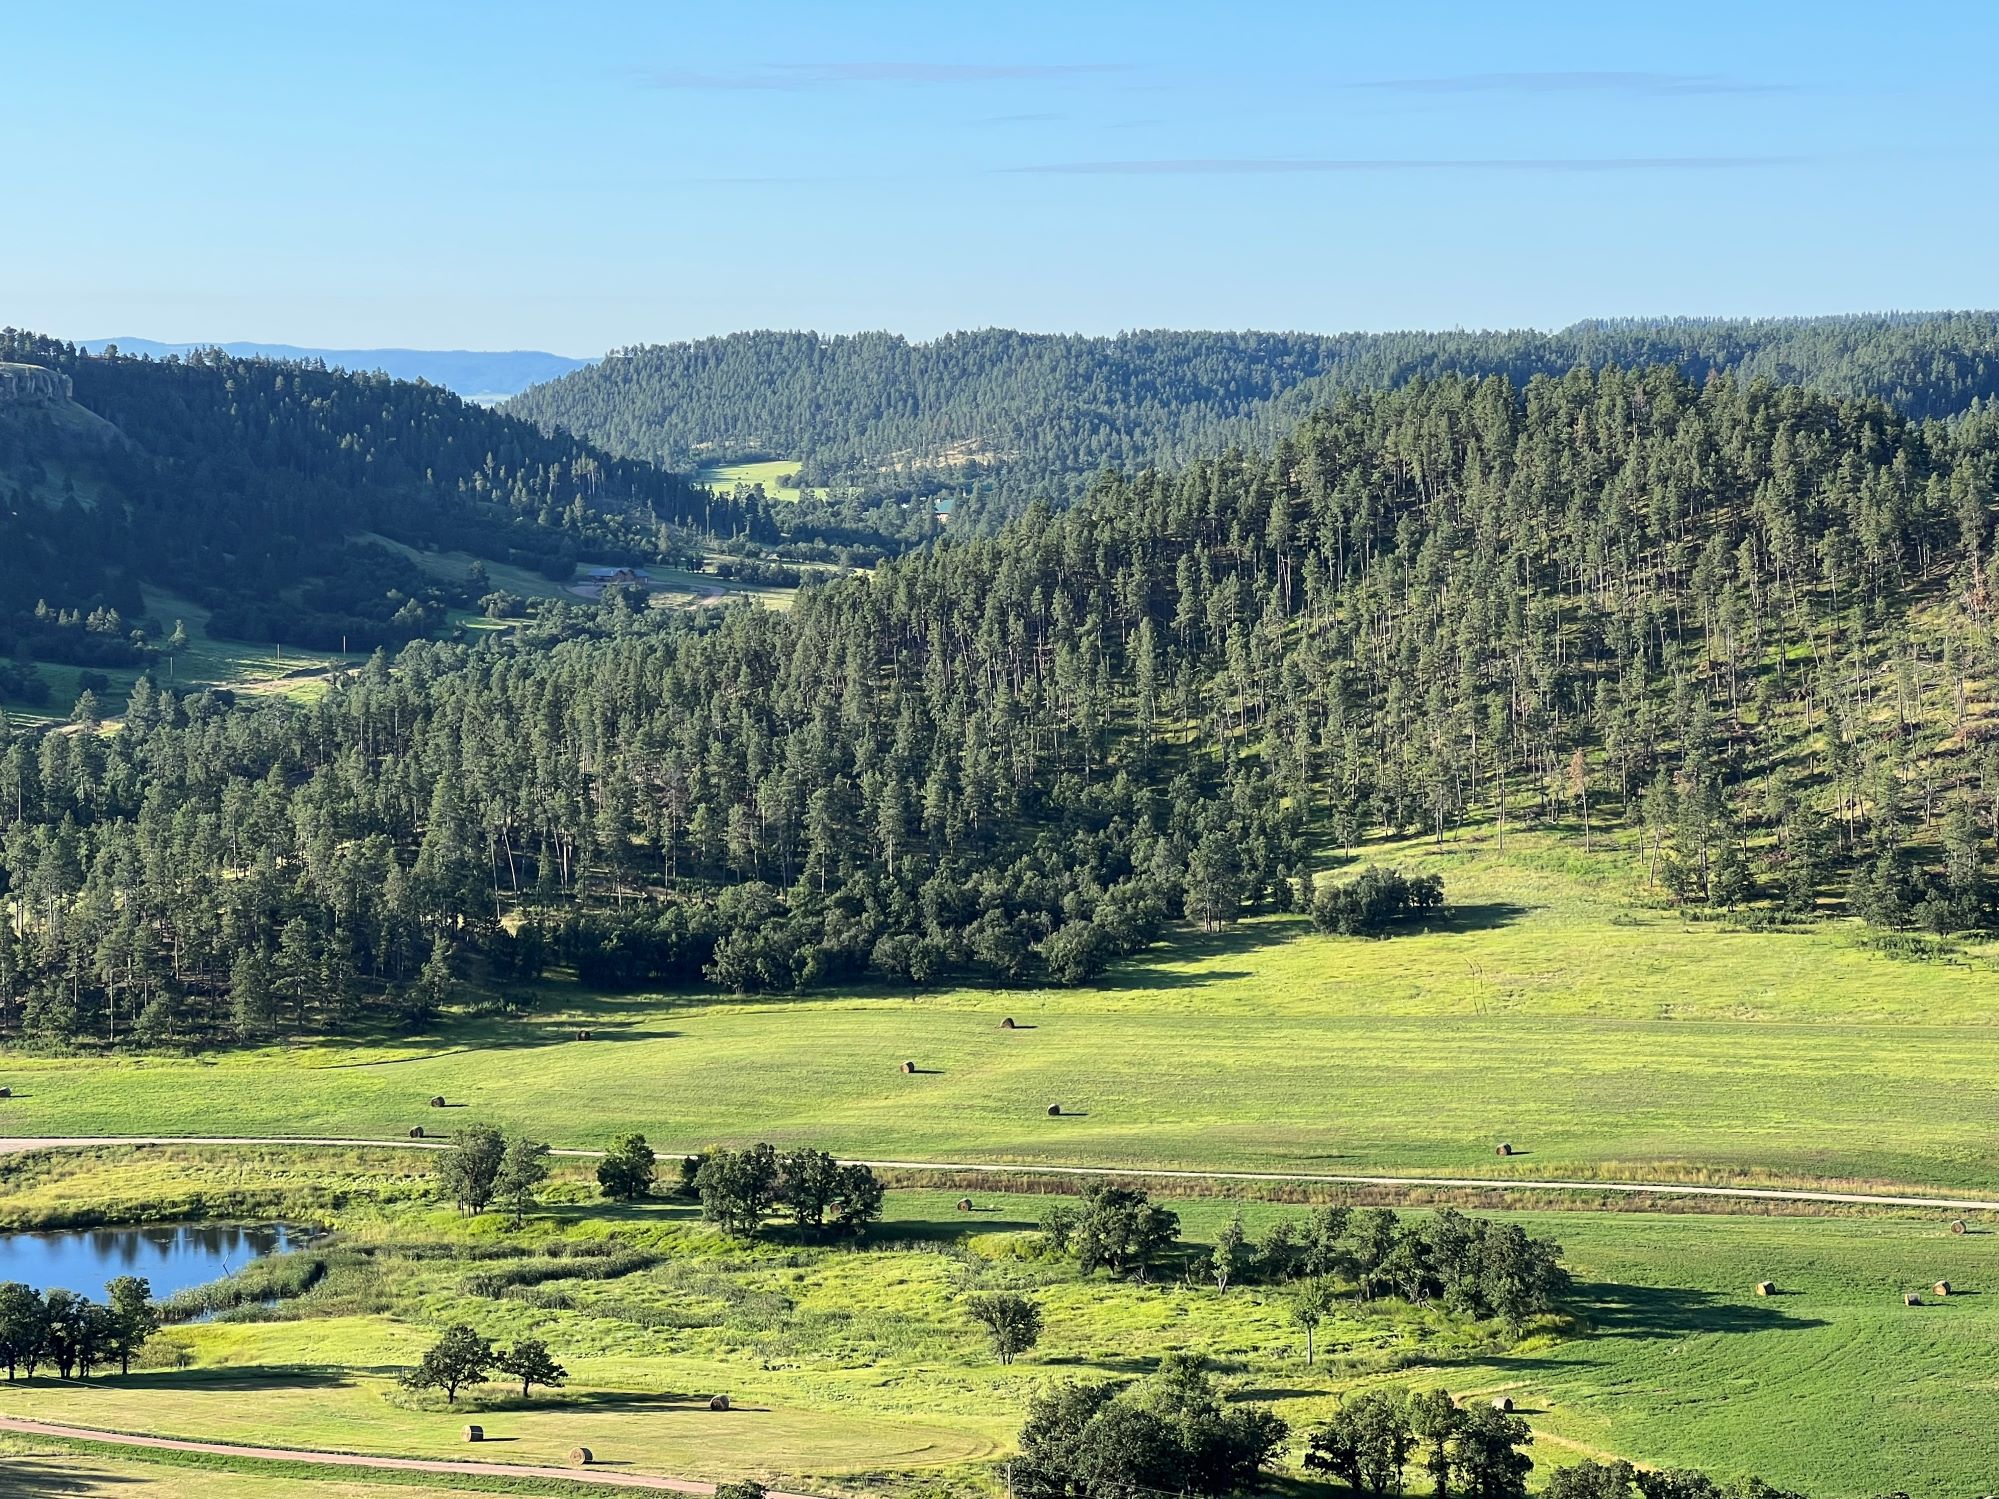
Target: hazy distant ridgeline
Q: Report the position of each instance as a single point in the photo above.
(1039, 413)
(474, 374)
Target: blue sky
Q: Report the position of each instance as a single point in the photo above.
(583, 175)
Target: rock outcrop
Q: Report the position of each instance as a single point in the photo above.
(32, 385)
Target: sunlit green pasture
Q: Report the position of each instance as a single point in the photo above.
(261, 668)
(767, 472)
(1597, 1036)
(859, 1368)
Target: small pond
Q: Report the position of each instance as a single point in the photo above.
(173, 1256)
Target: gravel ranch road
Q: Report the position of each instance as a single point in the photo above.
(1477, 1183)
(360, 1460)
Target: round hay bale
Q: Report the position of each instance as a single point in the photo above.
(416, 1132)
(908, 1066)
(6, 1092)
(1054, 1109)
(1503, 1148)
(718, 1403)
(475, 1433)
(583, 1035)
(1502, 1402)
(1957, 1225)
(1942, 1288)
(1008, 1025)
(437, 1102)
(581, 1457)
(1766, 1288)
(964, 1204)
(1912, 1299)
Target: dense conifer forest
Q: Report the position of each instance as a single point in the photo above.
(1748, 624)
(247, 486)
(996, 418)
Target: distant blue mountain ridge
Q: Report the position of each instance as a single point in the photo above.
(475, 375)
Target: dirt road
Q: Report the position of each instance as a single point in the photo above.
(363, 1461)
(1000, 1168)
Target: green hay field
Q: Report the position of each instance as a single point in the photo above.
(858, 1369)
(1598, 1037)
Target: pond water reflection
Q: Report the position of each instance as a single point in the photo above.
(173, 1256)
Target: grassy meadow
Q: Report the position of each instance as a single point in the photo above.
(263, 668)
(270, 668)
(1556, 1009)
(856, 1368)
(1598, 1036)
(674, 587)
(767, 472)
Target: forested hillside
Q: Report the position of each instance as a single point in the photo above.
(996, 418)
(244, 484)
(1749, 625)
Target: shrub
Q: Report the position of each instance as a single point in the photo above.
(1375, 901)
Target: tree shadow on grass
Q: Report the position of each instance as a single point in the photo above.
(647, 1210)
(1621, 1311)
(533, 1036)
(1147, 970)
(1478, 916)
(1275, 1392)
(943, 1230)
(628, 1401)
(1132, 1364)
(238, 1380)
(36, 1473)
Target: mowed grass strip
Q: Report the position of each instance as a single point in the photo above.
(44, 1466)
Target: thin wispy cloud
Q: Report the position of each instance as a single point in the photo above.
(1253, 166)
(790, 77)
(1599, 81)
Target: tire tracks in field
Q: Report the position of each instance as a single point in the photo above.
(366, 1461)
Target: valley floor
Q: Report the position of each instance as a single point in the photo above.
(1599, 1036)
(1602, 1037)
(856, 1370)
